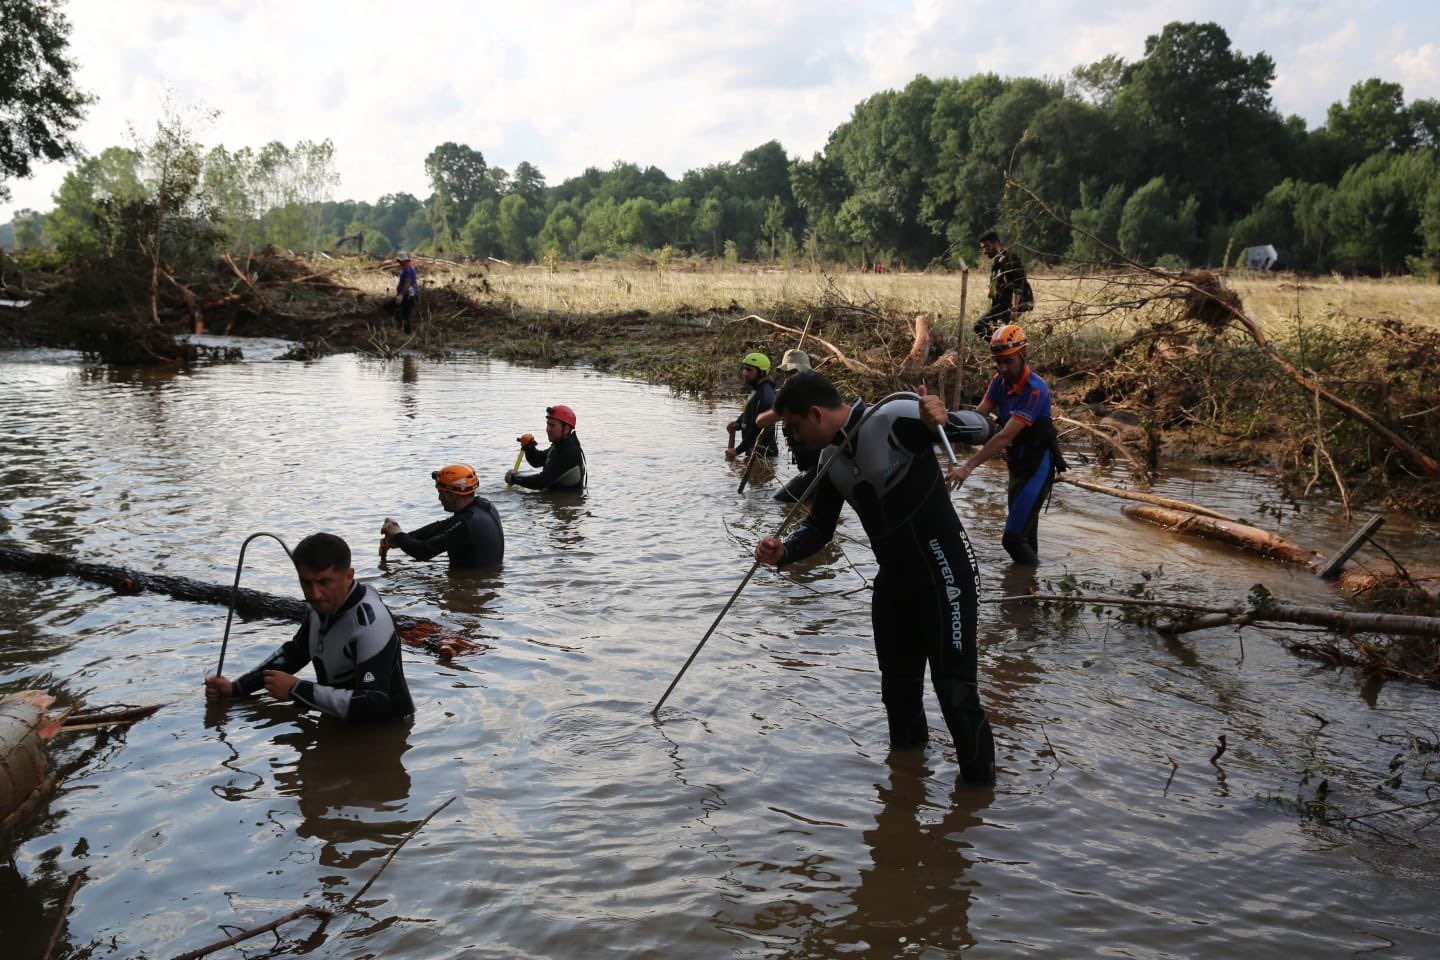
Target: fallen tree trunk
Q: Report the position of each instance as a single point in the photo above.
(1146, 498)
(1241, 535)
(250, 604)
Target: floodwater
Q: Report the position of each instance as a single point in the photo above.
(761, 816)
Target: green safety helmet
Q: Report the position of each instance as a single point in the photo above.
(757, 360)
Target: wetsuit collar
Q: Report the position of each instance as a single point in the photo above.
(357, 593)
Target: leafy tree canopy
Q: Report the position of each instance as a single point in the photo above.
(40, 106)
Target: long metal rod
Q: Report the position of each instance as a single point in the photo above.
(794, 509)
(235, 589)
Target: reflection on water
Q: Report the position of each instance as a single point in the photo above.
(761, 815)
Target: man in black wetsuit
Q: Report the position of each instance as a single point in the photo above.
(924, 605)
(348, 636)
(754, 439)
(562, 465)
(471, 535)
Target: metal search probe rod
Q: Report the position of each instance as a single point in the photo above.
(794, 509)
(235, 588)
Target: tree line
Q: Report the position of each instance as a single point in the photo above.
(1179, 158)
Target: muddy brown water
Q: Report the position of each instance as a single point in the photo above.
(762, 815)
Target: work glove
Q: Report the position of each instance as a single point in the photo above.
(389, 528)
(525, 439)
(509, 476)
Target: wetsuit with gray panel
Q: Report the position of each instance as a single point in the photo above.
(924, 608)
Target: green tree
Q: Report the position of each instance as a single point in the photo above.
(708, 221)
(1200, 115)
(87, 195)
(480, 237)
(1154, 225)
(561, 232)
(518, 224)
(1098, 221)
(458, 177)
(40, 106)
(1373, 119)
(675, 218)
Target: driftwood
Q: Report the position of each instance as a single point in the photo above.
(1211, 616)
(919, 350)
(1140, 470)
(1146, 498)
(324, 915)
(94, 719)
(854, 365)
(244, 935)
(251, 604)
(1241, 535)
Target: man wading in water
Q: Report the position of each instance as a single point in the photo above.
(348, 636)
(924, 605)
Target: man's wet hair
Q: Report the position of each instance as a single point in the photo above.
(322, 551)
(805, 390)
(989, 236)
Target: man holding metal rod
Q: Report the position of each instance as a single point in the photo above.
(348, 636)
(882, 462)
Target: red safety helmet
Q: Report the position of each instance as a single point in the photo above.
(562, 413)
(1007, 340)
(458, 478)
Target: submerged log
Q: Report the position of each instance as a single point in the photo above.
(1241, 535)
(250, 604)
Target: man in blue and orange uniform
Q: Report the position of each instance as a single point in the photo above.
(754, 439)
(1026, 436)
(349, 638)
(924, 607)
(471, 536)
(562, 464)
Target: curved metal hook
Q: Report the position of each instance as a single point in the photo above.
(235, 589)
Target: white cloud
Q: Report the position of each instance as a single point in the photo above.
(678, 85)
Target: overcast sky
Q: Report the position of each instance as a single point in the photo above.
(674, 84)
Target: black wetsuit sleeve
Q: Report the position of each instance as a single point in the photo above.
(534, 456)
(761, 399)
(292, 656)
(432, 539)
(818, 528)
(557, 461)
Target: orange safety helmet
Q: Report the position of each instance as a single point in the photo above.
(1007, 340)
(458, 478)
(562, 413)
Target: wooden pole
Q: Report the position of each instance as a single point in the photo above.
(962, 344)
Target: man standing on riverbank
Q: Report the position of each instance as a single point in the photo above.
(1026, 436)
(924, 608)
(562, 464)
(407, 290)
(1010, 293)
(755, 440)
(349, 638)
(471, 536)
